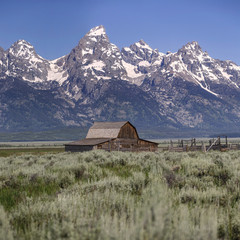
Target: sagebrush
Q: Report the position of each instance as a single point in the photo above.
(116, 195)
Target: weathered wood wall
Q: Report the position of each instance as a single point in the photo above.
(123, 144)
(128, 131)
(78, 148)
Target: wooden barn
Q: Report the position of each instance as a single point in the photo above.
(112, 136)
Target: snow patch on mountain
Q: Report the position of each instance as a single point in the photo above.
(35, 80)
(141, 44)
(87, 51)
(97, 31)
(56, 73)
(234, 66)
(207, 89)
(131, 70)
(133, 75)
(97, 65)
(144, 64)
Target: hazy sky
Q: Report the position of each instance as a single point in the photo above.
(54, 27)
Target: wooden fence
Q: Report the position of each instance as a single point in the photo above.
(185, 145)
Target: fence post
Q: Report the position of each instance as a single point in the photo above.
(203, 147)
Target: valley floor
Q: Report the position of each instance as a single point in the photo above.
(102, 195)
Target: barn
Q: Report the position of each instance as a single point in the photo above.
(112, 136)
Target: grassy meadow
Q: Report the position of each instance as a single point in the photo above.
(116, 195)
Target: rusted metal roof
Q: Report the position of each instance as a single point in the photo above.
(105, 129)
(89, 141)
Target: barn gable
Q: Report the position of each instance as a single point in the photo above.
(128, 131)
(112, 130)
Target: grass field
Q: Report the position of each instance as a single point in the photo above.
(102, 195)
(21, 151)
(37, 148)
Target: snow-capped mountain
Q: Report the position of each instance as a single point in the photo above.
(197, 66)
(93, 59)
(98, 81)
(21, 60)
(140, 59)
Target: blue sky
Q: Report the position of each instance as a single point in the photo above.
(54, 27)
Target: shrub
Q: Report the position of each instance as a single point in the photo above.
(6, 231)
(102, 195)
(173, 180)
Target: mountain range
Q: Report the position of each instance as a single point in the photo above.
(97, 81)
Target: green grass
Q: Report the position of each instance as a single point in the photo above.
(11, 196)
(121, 170)
(102, 195)
(20, 151)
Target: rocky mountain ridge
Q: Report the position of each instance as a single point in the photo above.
(98, 81)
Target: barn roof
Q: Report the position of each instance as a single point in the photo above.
(106, 125)
(89, 141)
(105, 129)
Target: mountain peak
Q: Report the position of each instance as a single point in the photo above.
(95, 35)
(22, 49)
(194, 46)
(97, 31)
(142, 44)
(22, 43)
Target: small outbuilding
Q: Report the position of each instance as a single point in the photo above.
(112, 136)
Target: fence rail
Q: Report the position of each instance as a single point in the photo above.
(220, 143)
